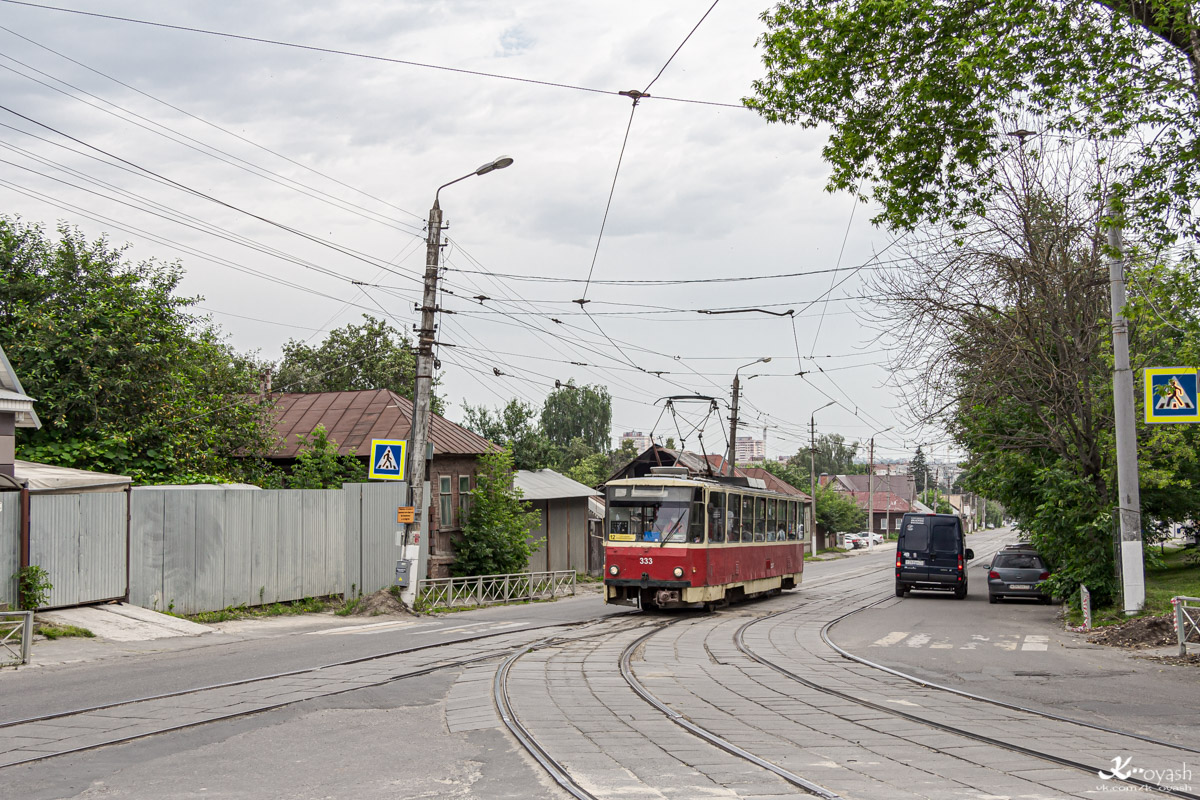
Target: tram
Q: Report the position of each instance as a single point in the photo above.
(671, 540)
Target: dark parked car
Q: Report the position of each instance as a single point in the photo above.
(930, 554)
(1017, 571)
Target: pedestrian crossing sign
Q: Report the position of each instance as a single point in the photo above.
(388, 457)
(1171, 395)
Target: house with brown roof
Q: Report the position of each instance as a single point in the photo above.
(353, 419)
(887, 497)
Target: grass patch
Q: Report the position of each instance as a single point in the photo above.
(52, 631)
(1179, 574)
(309, 605)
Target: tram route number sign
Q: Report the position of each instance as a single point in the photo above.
(1171, 395)
(621, 537)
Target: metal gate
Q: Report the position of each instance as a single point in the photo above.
(82, 541)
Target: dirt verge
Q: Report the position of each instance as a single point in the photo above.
(1138, 634)
(379, 603)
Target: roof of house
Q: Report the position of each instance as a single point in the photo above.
(903, 485)
(353, 419)
(884, 501)
(546, 484)
(774, 482)
(13, 397)
(47, 478)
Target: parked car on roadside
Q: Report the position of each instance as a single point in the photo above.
(1017, 571)
(851, 541)
(871, 538)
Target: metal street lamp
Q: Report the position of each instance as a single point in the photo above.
(812, 469)
(423, 384)
(733, 417)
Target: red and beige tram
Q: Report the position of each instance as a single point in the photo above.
(671, 540)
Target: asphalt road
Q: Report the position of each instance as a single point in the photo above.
(1019, 651)
(438, 736)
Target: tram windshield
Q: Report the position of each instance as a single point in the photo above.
(648, 513)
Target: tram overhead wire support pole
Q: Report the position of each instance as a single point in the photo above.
(733, 416)
(1129, 503)
(871, 491)
(812, 470)
(417, 467)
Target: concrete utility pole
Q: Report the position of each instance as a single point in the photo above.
(730, 457)
(812, 469)
(871, 491)
(1133, 578)
(417, 467)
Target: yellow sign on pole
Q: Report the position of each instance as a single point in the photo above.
(406, 514)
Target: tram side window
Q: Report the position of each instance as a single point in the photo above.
(747, 518)
(735, 517)
(718, 514)
(696, 523)
(760, 520)
(791, 520)
(772, 519)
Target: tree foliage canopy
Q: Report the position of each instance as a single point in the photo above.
(579, 411)
(920, 95)
(837, 512)
(373, 355)
(126, 380)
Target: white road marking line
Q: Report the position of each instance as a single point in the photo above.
(919, 640)
(1036, 641)
(889, 640)
(942, 645)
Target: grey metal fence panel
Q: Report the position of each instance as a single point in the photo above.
(335, 534)
(538, 561)
(352, 543)
(54, 545)
(312, 544)
(290, 545)
(103, 540)
(239, 535)
(179, 549)
(264, 561)
(146, 533)
(10, 546)
(579, 534)
(378, 531)
(210, 551)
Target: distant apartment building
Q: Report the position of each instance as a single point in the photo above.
(750, 450)
(641, 441)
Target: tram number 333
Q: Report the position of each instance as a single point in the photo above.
(645, 560)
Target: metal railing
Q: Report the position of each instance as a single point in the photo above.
(16, 634)
(482, 590)
(1187, 620)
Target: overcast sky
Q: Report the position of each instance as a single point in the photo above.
(349, 150)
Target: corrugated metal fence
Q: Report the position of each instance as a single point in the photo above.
(192, 550)
(205, 549)
(80, 540)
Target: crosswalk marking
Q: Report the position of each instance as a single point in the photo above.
(1011, 642)
(403, 624)
(890, 639)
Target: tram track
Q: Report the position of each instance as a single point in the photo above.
(925, 720)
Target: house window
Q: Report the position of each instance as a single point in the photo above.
(445, 501)
(464, 498)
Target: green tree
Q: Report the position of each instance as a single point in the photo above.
(319, 466)
(791, 472)
(515, 426)
(837, 512)
(126, 379)
(579, 411)
(373, 355)
(495, 538)
(919, 469)
(919, 94)
(937, 501)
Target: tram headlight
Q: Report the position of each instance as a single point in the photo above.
(679, 572)
(613, 569)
